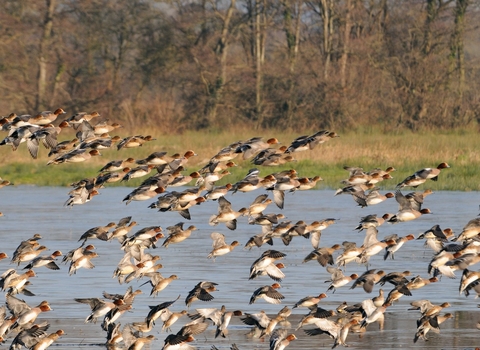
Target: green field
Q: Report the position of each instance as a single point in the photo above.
(405, 151)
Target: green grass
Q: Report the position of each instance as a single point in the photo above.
(405, 151)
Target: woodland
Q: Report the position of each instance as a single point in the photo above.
(179, 65)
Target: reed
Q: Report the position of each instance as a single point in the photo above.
(405, 151)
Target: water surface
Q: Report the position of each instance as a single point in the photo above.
(29, 210)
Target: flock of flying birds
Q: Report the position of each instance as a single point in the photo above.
(164, 172)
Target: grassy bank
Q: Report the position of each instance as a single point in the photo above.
(405, 151)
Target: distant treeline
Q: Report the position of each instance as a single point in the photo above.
(294, 64)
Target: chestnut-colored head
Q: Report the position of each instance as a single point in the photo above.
(272, 141)
(291, 337)
(189, 154)
(64, 124)
(95, 152)
(443, 166)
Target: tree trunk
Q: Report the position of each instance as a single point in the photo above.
(258, 59)
(326, 12)
(346, 44)
(215, 89)
(292, 33)
(327, 34)
(42, 59)
(457, 55)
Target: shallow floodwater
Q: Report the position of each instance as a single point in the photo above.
(29, 210)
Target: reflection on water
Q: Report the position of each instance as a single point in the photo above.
(30, 210)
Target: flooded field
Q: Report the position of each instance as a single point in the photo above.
(29, 210)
